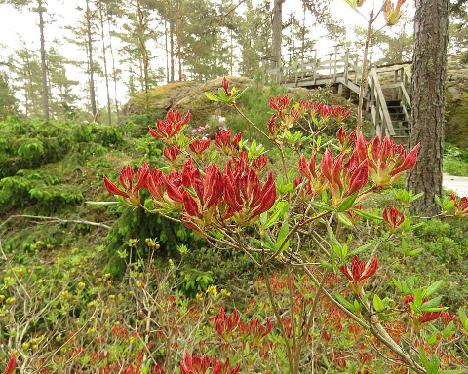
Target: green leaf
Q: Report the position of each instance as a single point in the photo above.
(324, 197)
(433, 288)
(348, 305)
(357, 306)
(343, 218)
(377, 303)
(463, 319)
(347, 203)
(432, 339)
(284, 188)
(102, 203)
(433, 303)
(367, 215)
(279, 210)
(282, 235)
(269, 243)
(448, 330)
(360, 249)
(413, 252)
(211, 96)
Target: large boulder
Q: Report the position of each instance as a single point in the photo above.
(456, 129)
(191, 96)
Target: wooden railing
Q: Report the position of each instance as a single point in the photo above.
(336, 64)
(385, 82)
(398, 83)
(378, 106)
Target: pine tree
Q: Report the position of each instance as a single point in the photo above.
(428, 101)
(62, 87)
(39, 7)
(84, 36)
(8, 101)
(100, 7)
(25, 73)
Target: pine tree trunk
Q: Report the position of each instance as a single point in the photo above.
(104, 60)
(178, 38)
(428, 101)
(172, 31)
(114, 71)
(45, 90)
(31, 89)
(143, 50)
(277, 31)
(92, 90)
(166, 45)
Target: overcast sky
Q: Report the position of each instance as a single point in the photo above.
(18, 27)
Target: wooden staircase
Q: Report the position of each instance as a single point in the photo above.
(386, 101)
(399, 118)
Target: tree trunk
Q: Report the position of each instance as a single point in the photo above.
(104, 60)
(428, 101)
(166, 46)
(92, 90)
(114, 71)
(45, 90)
(143, 50)
(231, 54)
(31, 89)
(277, 31)
(172, 28)
(178, 38)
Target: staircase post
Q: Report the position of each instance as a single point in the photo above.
(356, 62)
(345, 75)
(315, 66)
(334, 66)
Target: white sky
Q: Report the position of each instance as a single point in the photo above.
(17, 27)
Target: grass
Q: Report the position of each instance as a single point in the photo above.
(455, 161)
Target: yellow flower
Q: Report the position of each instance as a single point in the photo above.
(212, 290)
(10, 300)
(225, 292)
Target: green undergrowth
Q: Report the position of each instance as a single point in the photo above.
(455, 160)
(52, 169)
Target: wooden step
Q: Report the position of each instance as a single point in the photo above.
(393, 102)
(395, 109)
(397, 116)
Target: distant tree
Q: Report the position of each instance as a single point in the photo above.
(135, 37)
(428, 100)
(63, 99)
(253, 33)
(112, 10)
(205, 40)
(8, 101)
(25, 73)
(39, 7)
(89, 31)
(458, 29)
(85, 33)
(101, 11)
(395, 46)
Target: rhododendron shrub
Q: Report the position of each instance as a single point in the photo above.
(298, 212)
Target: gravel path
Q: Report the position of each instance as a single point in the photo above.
(459, 185)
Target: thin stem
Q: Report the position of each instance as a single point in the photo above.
(294, 350)
(311, 318)
(278, 317)
(364, 73)
(283, 159)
